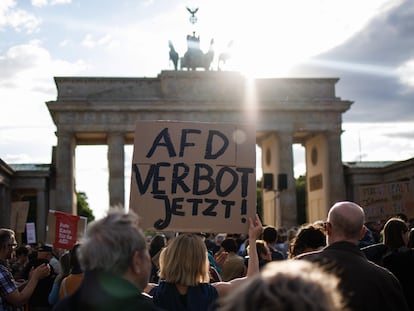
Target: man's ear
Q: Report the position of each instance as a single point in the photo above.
(136, 262)
(328, 228)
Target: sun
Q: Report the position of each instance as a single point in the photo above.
(257, 40)
(270, 37)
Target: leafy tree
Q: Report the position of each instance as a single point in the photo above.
(83, 206)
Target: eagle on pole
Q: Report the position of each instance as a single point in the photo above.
(193, 18)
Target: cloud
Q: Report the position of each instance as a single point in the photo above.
(406, 73)
(401, 134)
(27, 144)
(64, 43)
(30, 66)
(19, 20)
(91, 43)
(26, 82)
(377, 141)
(41, 3)
(375, 67)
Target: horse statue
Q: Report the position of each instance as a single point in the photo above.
(194, 57)
(225, 56)
(209, 56)
(173, 55)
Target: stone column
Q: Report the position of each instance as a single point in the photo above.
(65, 167)
(116, 159)
(287, 198)
(336, 172)
(41, 215)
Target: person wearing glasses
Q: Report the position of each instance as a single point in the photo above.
(10, 295)
(365, 285)
(114, 257)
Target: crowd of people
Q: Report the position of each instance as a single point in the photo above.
(343, 263)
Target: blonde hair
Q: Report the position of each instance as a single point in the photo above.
(293, 285)
(184, 261)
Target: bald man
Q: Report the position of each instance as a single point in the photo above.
(365, 285)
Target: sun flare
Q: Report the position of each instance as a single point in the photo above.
(270, 37)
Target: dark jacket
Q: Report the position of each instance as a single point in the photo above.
(198, 298)
(105, 292)
(375, 252)
(39, 299)
(401, 263)
(365, 285)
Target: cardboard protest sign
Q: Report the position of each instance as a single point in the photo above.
(193, 176)
(18, 216)
(30, 233)
(64, 230)
(383, 201)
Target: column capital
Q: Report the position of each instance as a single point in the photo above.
(65, 133)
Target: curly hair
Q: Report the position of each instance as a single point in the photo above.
(293, 285)
(308, 237)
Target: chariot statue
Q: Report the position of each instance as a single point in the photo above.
(194, 57)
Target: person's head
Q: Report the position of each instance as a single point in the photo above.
(75, 267)
(184, 261)
(22, 254)
(263, 250)
(7, 243)
(403, 217)
(64, 261)
(270, 235)
(229, 245)
(44, 252)
(281, 235)
(395, 233)
(309, 238)
(157, 243)
(345, 222)
(32, 251)
(116, 244)
(293, 285)
(291, 233)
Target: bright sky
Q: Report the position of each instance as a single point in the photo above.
(41, 39)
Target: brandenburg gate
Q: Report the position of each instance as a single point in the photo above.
(103, 111)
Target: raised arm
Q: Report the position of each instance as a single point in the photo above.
(255, 230)
(19, 298)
